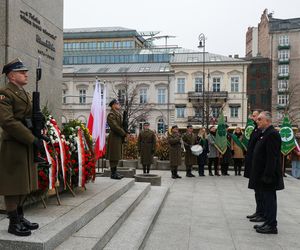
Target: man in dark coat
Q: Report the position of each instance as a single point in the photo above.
(266, 174)
(259, 212)
(146, 147)
(18, 173)
(115, 138)
(175, 148)
(189, 140)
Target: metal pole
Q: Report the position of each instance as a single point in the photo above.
(203, 89)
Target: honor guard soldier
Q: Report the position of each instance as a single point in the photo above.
(18, 173)
(175, 146)
(115, 138)
(189, 140)
(146, 147)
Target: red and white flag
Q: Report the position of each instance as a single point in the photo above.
(97, 119)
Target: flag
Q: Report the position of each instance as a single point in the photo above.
(237, 141)
(287, 136)
(247, 133)
(97, 119)
(221, 135)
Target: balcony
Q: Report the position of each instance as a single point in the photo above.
(283, 61)
(208, 94)
(195, 119)
(283, 76)
(281, 47)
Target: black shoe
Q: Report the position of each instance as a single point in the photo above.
(251, 216)
(239, 174)
(15, 226)
(257, 219)
(115, 177)
(259, 226)
(201, 175)
(177, 176)
(29, 225)
(173, 174)
(189, 174)
(267, 230)
(211, 174)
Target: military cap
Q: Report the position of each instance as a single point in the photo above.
(189, 125)
(174, 126)
(146, 123)
(15, 65)
(113, 101)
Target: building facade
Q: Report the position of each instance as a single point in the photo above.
(165, 81)
(279, 40)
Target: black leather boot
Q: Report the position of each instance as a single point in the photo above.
(15, 226)
(144, 169)
(114, 174)
(173, 174)
(176, 174)
(29, 225)
(189, 173)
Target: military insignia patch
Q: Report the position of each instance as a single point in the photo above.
(2, 97)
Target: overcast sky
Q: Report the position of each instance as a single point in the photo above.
(224, 22)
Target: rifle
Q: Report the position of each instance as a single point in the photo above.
(37, 116)
(125, 122)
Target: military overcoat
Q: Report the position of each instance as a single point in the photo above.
(18, 173)
(146, 146)
(175, 149)
(116, 136)
(189, 140)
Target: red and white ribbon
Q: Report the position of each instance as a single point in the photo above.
(51, 162)
(81, 159)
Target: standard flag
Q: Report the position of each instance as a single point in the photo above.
(247, 133)
(97, 119)
(221, 135)
(287, 136)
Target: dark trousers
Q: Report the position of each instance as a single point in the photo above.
(270, 207)
(201, 169)
(237, 163)
(259, 198)
(214, 161)
(146, 168)
(224, 168)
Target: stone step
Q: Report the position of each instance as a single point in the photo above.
(101, 229)
(58, 223)
(137, 227)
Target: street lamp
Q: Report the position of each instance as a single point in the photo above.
(202, 39)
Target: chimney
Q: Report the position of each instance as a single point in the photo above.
(230, 56)
(236, 56)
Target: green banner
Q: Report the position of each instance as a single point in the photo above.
(287, 136)
(237, 141)
(247, 133)
(221, 135)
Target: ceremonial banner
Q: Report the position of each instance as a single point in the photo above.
(221, 135)
(287, 136)
(247, 133)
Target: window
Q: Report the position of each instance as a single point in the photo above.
(64, 98)
(82, 96)
(198, 84)
(234, 112)
(283, 85)
(143, 95)
(252, 100)
(284, 40)
(253, 84)
(264, 83)
(161, 95)
(160, 126)
(235, 81)
(283, 70)
(122, 96)
(180, 85)
(215, 112)
(216, 84)
(141, 123)
(180, 112)
(283, 99)
(283, 55)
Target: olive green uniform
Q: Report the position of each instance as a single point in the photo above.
(18, 173)
(189, 139)
(175, 150)
(146, 148)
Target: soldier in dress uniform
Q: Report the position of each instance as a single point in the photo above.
(175, 146)
(115, 138)
(18, 173)
(189, 140)
(146, 147)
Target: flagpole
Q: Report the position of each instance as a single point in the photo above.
(283, 162)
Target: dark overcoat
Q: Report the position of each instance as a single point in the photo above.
(226, 157)
(146, 146)
(249, 154)
(189, 139)
(202, 158)
(175, 149)
(116, 136)
(18, 173)
(266, 173)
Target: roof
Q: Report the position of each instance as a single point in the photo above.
(117, 68)
(284, 24)
(198, 58)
